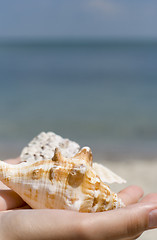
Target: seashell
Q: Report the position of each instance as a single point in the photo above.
(43, 146)
(72, 183)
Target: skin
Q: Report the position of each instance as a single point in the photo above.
(18, 221)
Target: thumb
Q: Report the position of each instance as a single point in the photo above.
(121, 223)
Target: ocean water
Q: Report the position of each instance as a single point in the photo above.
(98, 93)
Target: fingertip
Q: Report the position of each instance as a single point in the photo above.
(13, 161)
(151, 197)
(131, 194)
(137, 189)
(128, 222)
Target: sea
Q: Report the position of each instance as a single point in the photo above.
(100, 93)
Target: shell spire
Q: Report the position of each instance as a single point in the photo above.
(61, 183)
(86, 154)
(57, 155)
(9, 174)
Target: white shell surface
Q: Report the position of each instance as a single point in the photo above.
(43, 147)
(106, 175)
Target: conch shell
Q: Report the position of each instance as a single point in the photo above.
(63, 183)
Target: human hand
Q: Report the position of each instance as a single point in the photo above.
(125, 223)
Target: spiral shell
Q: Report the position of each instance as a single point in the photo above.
(73, 183)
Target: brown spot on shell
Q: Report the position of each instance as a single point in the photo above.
(28, 193)
(31, 194)
(95, 201)
(76, 175)
(55, 201)
(36, 195)
(51, 174)
(86, 205)
(97, 185)
(37, 173)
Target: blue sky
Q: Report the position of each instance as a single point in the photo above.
(78, 19)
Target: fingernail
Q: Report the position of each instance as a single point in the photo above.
(153, 219)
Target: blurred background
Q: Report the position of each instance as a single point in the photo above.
(86, 70)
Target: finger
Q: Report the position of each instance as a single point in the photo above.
(10, 200)
(125, 223)
(13, 161)
(40, 224)
(131, 194)
(152, 197)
